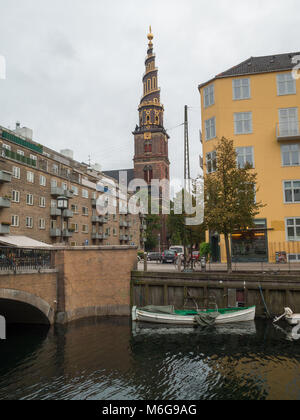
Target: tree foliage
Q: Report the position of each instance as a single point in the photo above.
(230, 195)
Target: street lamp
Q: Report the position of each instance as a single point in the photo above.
(62, 204)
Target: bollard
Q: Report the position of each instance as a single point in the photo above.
(145, 261)
(179, 263)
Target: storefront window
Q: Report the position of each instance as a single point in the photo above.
(251, 245)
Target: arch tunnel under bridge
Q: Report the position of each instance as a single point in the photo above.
(19, 307)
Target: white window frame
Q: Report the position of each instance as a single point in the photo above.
(211, 157)
(287, 83)
(244, 155)
(30, 177)
(15, 220)
(54, 183)
(42, 224)
(85, 213)
(15, 196)
(33, 157)
(83, 228)
(210, 129)
(6, 146)
(209, 96)
(290, 152)
(246, 116)
(297, 238)
(85, 193)
(16, 172)
(289, 124)
(20, 152)
(296, 260)
(29, 199)
(241, 85)
(29, 219)
(43, 180)
(42, 202)
(74, 189)
(292, 189)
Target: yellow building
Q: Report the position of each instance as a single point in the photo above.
(257, 104)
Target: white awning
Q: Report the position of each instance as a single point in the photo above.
(22, 242)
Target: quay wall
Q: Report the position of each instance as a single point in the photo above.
(205, 289)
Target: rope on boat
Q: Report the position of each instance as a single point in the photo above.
(264, 302)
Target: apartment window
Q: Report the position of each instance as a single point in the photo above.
(85, 211)
(85, 193)
(209, 96)
(210, 128)
(15, 196)
(53, 204)
(74, 208)
(30, 177)
(211, 162)
(33, 157)
(20, 152)
(74, 189)
(243, 123)
(241, 89)
(107, 231)
(42, 202)
(286, 84)
(64, 185)
(85, 228)
(29, 199)
(114, 231)
(6, 146)
(245, 155)
(288, 121)
(53, 224)
(43, 180)
(74, 227)
(15, 222)
(293, 229)
(55, 168)
(290, 154)
(29, 222)
(292, 191)
(53, 183)
(42, 224)
(16, 172)
(294, 258)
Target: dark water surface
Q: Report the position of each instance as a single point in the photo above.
(107, 359)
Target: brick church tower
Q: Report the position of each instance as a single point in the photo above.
(151, 159)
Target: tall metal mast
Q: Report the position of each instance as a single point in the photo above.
(187, 173)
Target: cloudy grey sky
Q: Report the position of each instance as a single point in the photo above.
(74, 67)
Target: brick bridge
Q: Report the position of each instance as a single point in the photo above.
(86, 281)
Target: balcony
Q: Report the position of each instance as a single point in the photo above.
(288, 131)
(55, 233)
(4, 203)
(67, 233)
(98, 219)
(123, 224)
(4, 229)
(57, 191)
(68, 214)
(97, 236)
(55, 212)
(5, 176)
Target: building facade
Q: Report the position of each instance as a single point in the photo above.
(35, 180)
(257, 104)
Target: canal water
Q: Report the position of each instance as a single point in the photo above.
(108, 359)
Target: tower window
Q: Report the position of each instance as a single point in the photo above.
(148, 147)
(148, 174)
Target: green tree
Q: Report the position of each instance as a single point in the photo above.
(152, 230)
(229, 195)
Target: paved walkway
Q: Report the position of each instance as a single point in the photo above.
(263, 267)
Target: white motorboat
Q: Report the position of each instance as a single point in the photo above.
(168, 315)
(289, 316)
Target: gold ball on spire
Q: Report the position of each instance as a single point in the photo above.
(150, 35)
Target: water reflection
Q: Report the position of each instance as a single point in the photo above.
(111, 359)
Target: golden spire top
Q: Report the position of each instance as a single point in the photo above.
(150, 37)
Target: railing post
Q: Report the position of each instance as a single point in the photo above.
(145, 261)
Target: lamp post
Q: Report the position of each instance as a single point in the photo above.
(62, 204)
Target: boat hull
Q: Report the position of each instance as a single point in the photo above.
(293, 319)
(159, 318)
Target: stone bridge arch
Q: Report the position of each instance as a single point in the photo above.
(18, 306)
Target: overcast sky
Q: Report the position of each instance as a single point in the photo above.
(74, 67)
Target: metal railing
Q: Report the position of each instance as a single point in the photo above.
(19, 259)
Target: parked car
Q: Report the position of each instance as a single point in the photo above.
(179, 249)
(196, 256)
(169, 257)
(154, 256)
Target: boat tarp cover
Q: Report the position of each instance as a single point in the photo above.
(159, 309)
(204, 319)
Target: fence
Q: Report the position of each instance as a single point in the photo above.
(18, 259)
